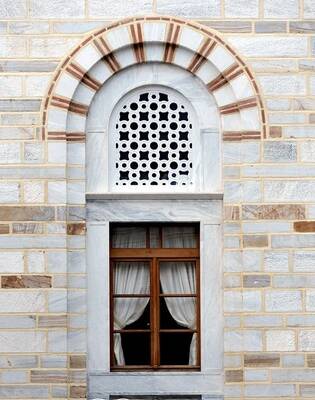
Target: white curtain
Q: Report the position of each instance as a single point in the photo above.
(129, 278)
(179, 277)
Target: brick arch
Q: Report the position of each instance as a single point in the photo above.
(161, 39)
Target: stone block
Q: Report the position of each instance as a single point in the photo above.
(36, 262)
(228, 26)
(119, 8)
(12, 46)
(252, 281)
(57, 341)
(257, 375)
(242, 301)
(309, 9)
(48, 376)
(19, 105)
(34, 192)
(59, 391)
(239, 192)
(15, 133)
(241, 9)
(273, 211)
(22, 342)
(310, 360)
(302, 27)
(24, 392)
(301, 320)
(270, 390)
(57, 153)
(10, 153)
(268, 46)
(59, 361)
(310, 300)
(77, 361)
(17, 9)
(78, 392)
(255, 240)
(255, 321)
(232, 281)
(298, 132)
(10, 86)
(293, 241)
(14, 377)
(283, 300)
(27, 66)
(231, 242)
(294, 281)
(239, 153)
(57, 301)
(57, 192)
(75, 192)
(78, 27)
(4, 229)
(52, 321)
(243, 340)
(304, 226)
(22, 361)
(276, 9)
(307, 391)
(77, 341)
(288, 118)
(280, 340)
(33, 152)
(280, 151)
(56, 9)
(279, 104)
(266, 227)
(28, 28)
(232, 361)
(27, 228)
(234, 375)
(22, 301)
(57, 261)
(261, 360)
(36, 85)
(252, 260)
(52, 46)
(293, 190)
(9, 192)
(278, 85)
(270, 27)
(17, 322)
(307, 149)
(276, 261)
(293, 360)
(25, 281)
(306, 340)
(231, 213)
(11, 262)
(293, 375)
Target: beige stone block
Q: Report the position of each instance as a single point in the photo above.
(262, 360)
(12, 46)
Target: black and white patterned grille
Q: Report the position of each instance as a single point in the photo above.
(153, 141)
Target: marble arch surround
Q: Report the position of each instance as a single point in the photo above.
(79, 78)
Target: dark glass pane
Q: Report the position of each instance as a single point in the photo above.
(143, 322)
(136, 348)
(175, 348)
(166, 320)
(155, 237)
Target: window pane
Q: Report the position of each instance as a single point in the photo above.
(132, 313)
(178, 277)
(155, 237)
(126, 237)
(132, 277)
(177, 349)
(136, 349)
(179, 237)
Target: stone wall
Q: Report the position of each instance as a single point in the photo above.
(269, 259)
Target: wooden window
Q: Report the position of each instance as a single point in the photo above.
(155, 296)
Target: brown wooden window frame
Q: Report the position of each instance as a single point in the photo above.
(154, 256)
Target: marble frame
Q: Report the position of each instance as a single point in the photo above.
(208, 382)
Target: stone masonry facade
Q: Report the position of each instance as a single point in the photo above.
(269, 196)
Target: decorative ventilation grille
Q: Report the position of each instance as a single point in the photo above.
(153, 141)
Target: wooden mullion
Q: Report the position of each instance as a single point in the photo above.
(155, 327)
(177, 295)
(131, 331)
(198, 311)
(111, 302)
(129, 296)
(151, 313)
(171, 253)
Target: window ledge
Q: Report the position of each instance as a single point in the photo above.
(154, 196)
